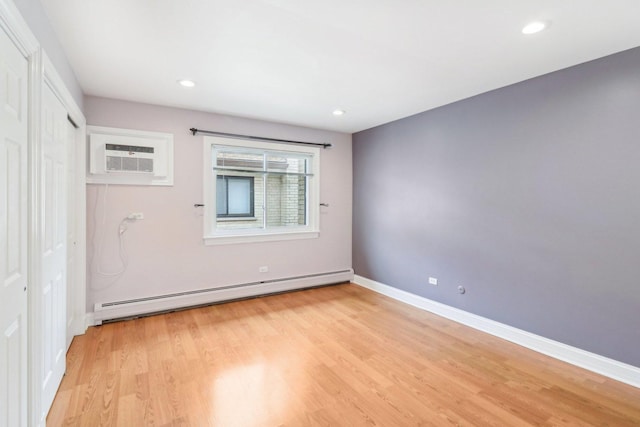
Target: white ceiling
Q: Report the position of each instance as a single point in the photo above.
(295, 61)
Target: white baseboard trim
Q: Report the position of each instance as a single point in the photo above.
(154, 304)
(614, 369)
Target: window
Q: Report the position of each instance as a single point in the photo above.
(256, 191)
(234, 196)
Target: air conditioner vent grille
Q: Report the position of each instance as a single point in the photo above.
(129, 164)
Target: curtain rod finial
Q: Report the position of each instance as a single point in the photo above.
(194, 131)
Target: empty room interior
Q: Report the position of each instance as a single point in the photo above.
(337, 213)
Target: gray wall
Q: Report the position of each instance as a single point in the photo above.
(529, 196)
(37, 20)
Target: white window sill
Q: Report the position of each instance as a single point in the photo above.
(230, 239)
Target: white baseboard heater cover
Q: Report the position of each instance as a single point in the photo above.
(154, 304)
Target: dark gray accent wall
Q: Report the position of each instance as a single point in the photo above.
(528, 196)
(36, 18)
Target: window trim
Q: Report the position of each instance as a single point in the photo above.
(213, 236)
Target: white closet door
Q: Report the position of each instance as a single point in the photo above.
(53, 211)
(13, 234)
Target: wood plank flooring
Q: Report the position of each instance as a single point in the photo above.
(334, 356)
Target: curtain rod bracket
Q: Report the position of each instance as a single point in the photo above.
(194, 131)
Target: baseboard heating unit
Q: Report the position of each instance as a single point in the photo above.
(107, 311)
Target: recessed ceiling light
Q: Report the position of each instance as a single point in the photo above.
(534, 27)
(338, 112)
(186, 83)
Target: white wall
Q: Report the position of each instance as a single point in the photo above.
(165, 250)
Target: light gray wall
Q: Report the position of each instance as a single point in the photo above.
(37, 20)
(165, 251)
(529, 196)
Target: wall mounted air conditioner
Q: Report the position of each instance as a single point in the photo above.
(131, 157)
(128, 158)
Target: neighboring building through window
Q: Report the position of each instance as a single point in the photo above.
(262, 191)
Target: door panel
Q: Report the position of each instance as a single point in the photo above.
(13, 234)
(53, 284)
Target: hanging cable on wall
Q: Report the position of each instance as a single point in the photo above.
(99, 242)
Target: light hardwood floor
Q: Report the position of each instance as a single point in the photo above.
(334, 356)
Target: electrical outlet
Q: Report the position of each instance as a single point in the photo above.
(135, 215)
(263, 269)
(433, 281)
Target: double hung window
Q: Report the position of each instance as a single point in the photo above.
(257, 191)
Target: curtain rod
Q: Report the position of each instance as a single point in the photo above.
(259, 138)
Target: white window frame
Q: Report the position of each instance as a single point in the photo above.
(215, 236)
